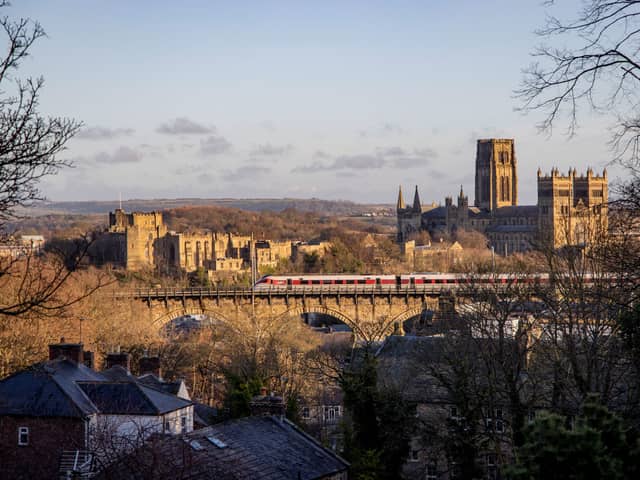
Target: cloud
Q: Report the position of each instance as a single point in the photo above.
(205, 178)
(214, 145)
(121, 155)
(103, 133)
(437, 175)
(426, 152)
(245, 172)
(344, 162)
(395, 157)
(268, 125)
(390, 151)
(384, 130)
(270, 150)
(183, 126)
(409, 162)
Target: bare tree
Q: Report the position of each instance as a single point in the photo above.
(600, 69)
(30, 145)
(29, 142)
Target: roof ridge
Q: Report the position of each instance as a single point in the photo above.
(142, 388)
(75, 385)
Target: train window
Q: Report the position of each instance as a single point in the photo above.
(378, 280)
(316, 282)
(350, 282)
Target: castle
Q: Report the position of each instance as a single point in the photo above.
(571, 209)
(141, 240)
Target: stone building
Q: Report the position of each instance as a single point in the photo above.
(432, 257)
(136, 235)
(570, 210)
(141, 240)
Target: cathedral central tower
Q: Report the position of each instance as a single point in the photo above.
(496, 177)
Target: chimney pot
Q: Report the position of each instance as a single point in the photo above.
(88, 359)
(117, 358)
(70, 351)
(149, 365)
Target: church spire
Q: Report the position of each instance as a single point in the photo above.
(461, 192)
(400, 205)
(417, 206)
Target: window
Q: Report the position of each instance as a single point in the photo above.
(531, 416)
(499, 420)
(23, 435)
(453, 413)
(432, 471)
(492, 468)
(183, 422)
(305, 413)
(414, 456)
(331, 413)
(495, 421)
(167, 425)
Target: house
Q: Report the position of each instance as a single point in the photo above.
(266, 447)
(61, 415)
(421, 368)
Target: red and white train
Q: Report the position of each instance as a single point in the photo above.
(398, 281)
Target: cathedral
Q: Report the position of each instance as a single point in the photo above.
(571, 209)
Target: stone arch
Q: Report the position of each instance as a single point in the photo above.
(401, 318)
(167, 317)
(301, 310)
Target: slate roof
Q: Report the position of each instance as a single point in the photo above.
(251, 448)
(48, 389)
(130, 398)
(475, 212)
(204, 415)
(63, 388)
(152, 381)
(516, 211)
(438, 212)
(403, 361)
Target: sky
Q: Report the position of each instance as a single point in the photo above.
(340, 99)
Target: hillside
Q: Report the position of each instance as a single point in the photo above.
(287, 224)
(327, 207)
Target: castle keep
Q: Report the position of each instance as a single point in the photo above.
(571, 209)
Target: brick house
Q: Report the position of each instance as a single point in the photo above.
(61, 415)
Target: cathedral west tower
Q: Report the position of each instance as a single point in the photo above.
(496, 177)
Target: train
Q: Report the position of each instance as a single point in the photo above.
(398, 281)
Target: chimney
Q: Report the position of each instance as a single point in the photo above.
(266, 405)
(122, 359)
(150, 365)
(88, 359)
(71, 351)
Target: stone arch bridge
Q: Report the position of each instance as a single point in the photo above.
(370, 311)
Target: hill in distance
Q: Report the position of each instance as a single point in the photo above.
(325, 207)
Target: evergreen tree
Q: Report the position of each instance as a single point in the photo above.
(597, 447)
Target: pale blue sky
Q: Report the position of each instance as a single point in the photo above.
(329, 99)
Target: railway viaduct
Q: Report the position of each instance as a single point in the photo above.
(370, 311)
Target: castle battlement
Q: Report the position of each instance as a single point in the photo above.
(571, 175)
